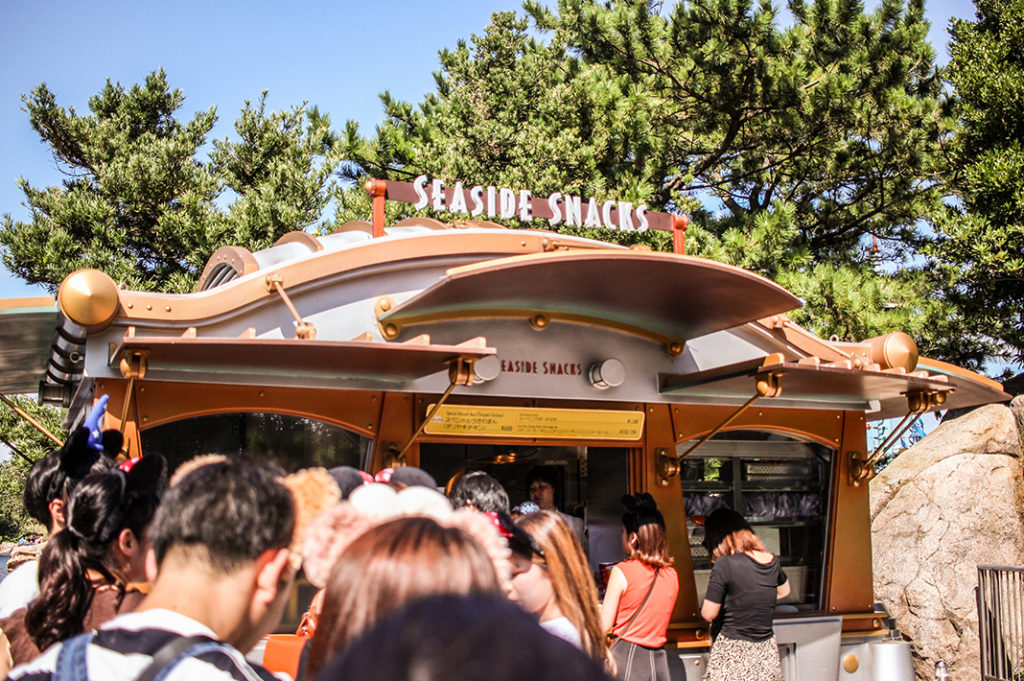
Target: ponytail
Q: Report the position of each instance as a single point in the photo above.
(65, 589)
(103, 504)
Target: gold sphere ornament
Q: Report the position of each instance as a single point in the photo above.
(88, 298)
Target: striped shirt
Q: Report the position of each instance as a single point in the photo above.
(124, 647)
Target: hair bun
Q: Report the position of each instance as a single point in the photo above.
(645, 502)
(639, 503)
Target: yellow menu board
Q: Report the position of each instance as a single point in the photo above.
(582, 424)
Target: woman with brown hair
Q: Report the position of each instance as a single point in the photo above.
(386, 567)
(746, 583)
(641, 593)
(554, 582)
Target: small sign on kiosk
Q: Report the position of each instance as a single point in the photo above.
(595, 424)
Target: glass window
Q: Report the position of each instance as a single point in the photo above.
(293, 442)
(781, 486)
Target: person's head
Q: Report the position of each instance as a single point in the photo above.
(411, 476)
(53, 478)
(479, 491)
(107, 517)
(231, 521)
(643, 531)
(461, 638)
(555, 580)
(389, 565)
(543, 482)
(348, 479)
(727, 533)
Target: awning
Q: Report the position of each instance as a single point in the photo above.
(664, 296)
(26, 333)
(879, 394)
(292, 360)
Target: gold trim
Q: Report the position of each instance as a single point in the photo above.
(538, 321)
(225, 299)
(27, 303)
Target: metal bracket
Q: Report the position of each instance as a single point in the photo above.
(133, 366)
(460, 372)
(861, 466)
(666, 465)
(303, 329)
(388, 330)
(769, 385)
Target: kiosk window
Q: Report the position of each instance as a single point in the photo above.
(290, 441)
(781, 486)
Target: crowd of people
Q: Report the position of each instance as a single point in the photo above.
(144, 580)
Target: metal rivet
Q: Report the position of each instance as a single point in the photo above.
(130, 305)
(167, 308)
(149, 307)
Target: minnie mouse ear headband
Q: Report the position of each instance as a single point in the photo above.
(141, 479)
(641, 510)
(143, 474)
(88, 442)
(519, 540)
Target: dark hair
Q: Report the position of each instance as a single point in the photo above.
(461, 638)
(726, 532)
(55, 475)
(480, 489)
(225, 514)
(103, 504)
(388, 566)
(548, 474)
(643, 519)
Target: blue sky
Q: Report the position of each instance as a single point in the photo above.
(336, 55)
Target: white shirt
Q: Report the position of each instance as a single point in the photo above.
(563, 629)
(19, 588)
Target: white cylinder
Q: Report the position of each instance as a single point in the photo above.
(890, 661)
(607, 374)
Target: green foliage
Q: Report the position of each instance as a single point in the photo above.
(280, 170)
(139, 204)
(792, 149)
(27, 445)
(982, 237)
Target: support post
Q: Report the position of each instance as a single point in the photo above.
(679, 225)
(377, 190)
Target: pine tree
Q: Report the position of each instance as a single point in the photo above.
(140, 204)
(808, 153)
(982, 236)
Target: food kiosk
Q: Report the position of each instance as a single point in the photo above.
(464, 345)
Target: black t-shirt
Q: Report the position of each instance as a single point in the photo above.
(747, 592)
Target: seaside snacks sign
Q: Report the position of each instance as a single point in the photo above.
(501, 203)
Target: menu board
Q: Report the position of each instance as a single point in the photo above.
(576, 424)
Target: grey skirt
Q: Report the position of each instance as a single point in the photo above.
(734, 660)
(635, 662)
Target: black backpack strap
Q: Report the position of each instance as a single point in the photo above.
(165, 657)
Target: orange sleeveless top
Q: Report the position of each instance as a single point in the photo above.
(649, 627)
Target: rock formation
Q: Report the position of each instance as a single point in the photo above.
(950, 503)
